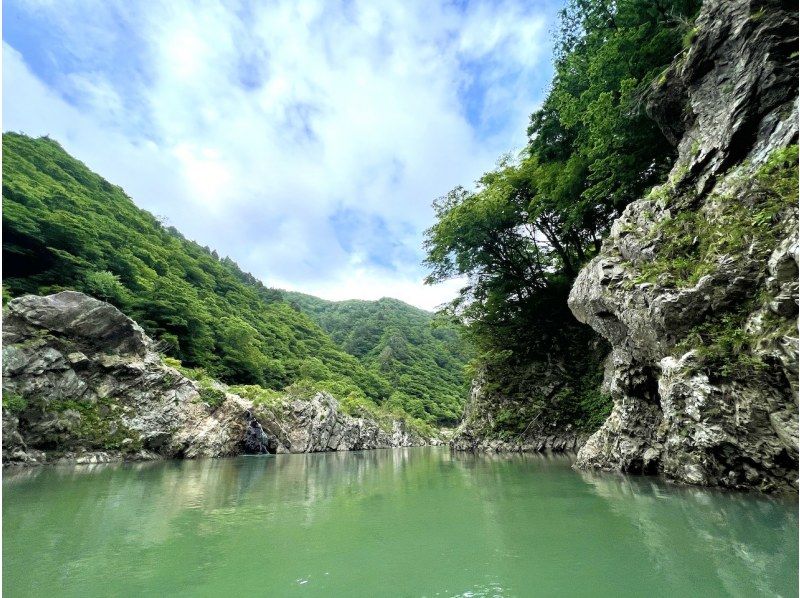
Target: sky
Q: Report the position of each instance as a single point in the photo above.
(305, 140)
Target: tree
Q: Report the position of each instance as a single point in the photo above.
(106, 286)
(242, 358)
(533, 221)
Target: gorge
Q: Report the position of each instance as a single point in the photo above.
(607, 406)
(695, 287)
(692, 298)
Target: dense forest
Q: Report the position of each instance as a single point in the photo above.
(523, 233)
(65, 227)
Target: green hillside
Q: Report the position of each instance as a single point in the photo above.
(423, 360)
(65, 227)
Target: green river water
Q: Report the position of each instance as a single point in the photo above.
(402, 522)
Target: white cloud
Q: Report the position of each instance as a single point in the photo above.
(251, 127)
(141, 166)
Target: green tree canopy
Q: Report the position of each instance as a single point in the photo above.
(533, 221)
(423, 359)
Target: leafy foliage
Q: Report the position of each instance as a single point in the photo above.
(13, 403)
(723, 346)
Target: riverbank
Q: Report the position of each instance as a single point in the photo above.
(83, 383)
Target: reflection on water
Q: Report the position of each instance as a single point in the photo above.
(405, 522)
(748, 539)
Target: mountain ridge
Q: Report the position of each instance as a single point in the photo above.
(67, 228)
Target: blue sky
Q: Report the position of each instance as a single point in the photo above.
(306, 140)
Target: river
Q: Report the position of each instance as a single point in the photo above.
(400, 522)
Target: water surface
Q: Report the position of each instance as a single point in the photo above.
(402, 522)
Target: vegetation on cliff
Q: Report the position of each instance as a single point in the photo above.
(523, 233)
(746, 226)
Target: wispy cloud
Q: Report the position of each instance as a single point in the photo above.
(304, 139)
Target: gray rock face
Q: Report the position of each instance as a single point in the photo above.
(91, 382)
(727, 418)
(318, 425)
(83, 383)
(728, 95)
(561, 442)
(93, 323)
(256, 440)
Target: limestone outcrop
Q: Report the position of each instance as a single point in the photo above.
(696, 286)
(318, 425)
(84, 383)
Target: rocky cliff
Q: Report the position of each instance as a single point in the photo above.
(696, 286)
(546, 399)
(484, 429)
(83, 383)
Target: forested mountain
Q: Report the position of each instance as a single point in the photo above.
(424, 360)
(65, 227)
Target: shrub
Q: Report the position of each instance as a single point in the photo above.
(13, 403)
(212, 395)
